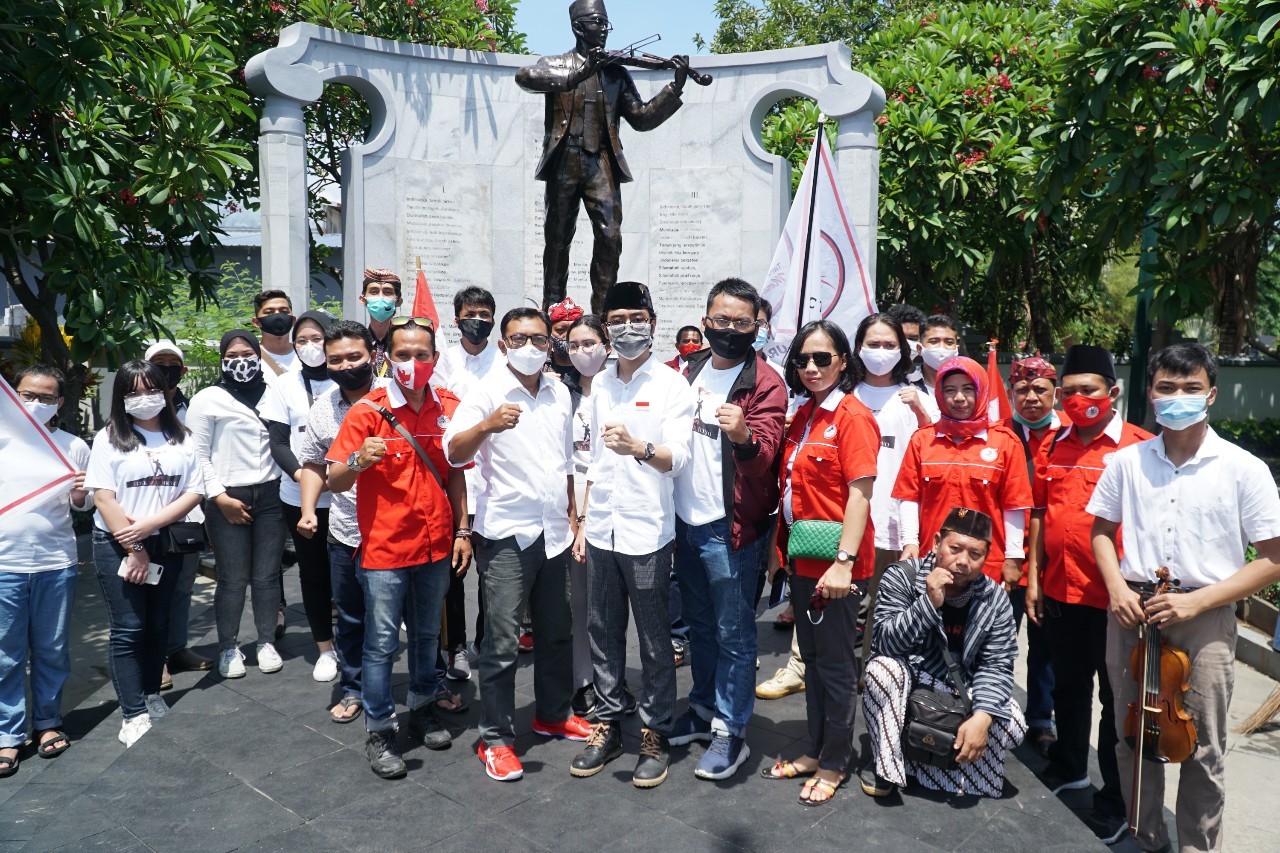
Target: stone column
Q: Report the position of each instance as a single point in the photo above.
(857, 157)
(282, 179)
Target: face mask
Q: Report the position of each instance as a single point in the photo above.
(413, 375)
(631, 340)
(241, 370)
(687, 350)
(527, 360)
(935, 356)
(312, 355)
(589, 363)
(276, 324)
(1086, 411)
(353, 378)
(728, 344)
(172, 374)
(145, 407)
(761, 341)
(475, 330)
(381, 308)
(880, 362)
(1178, 413)
(42, 412)
(915, 348)
(560, 346)
(1040, 424)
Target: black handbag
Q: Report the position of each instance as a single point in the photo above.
(182, 537)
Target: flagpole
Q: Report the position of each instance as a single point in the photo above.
(813, 203)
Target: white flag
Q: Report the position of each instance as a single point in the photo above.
(837, 287)
(34, 468)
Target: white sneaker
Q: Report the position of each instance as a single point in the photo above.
(156, 707)
(134, 728)
(326, 667)
(269, 659)
(459, 668)
(231, 664)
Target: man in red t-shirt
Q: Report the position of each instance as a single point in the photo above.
(1065, 589)
(406, 513)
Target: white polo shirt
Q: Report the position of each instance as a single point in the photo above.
(459, 371)
(1197, 519)
(630, 508)
(523, 472)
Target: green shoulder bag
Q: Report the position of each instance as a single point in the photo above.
(814, 540)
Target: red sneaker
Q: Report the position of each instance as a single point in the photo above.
(500, 762)
(525, 643)
(574, 728)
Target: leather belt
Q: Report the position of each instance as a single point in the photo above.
(1148, 589)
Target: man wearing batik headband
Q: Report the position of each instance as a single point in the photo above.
(925, 606)
(562, 316)
(381, 294)
(1032, 385)
(1065, 589)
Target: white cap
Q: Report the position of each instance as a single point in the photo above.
(163, 346)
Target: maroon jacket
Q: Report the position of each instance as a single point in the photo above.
(750, 472)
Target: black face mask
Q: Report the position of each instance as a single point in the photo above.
(729, 344)
(172, 374)
(475, 330)
(560, 347)
(353, 378)
(276, 324)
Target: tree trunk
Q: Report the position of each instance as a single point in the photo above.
(1040, 326)
(1235, 280)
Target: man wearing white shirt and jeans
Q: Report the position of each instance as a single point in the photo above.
(516, 425)
(642, 411)
(1190, 501)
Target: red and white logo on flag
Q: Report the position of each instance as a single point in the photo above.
(35, 470)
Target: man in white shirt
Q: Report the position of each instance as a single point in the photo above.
(642, 412)
(1191, 502)
(517, 426)
(273, 316)
(460, 368)
(38, 588)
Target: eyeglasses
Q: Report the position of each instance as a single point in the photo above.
(584, 346)
(821, 359)
(47, 399)
(424, 322)
(616, 329)
(722, 323)
(599, 22)
(518, 340)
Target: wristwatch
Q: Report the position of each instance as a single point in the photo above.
(648, 453)
(136, 547)
(353, 462)
(843, 556)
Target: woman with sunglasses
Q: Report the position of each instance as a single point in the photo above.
(829, 465)
(145, 475)
(963, 460)
(242, 501)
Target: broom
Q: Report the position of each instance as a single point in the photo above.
(1263, 715)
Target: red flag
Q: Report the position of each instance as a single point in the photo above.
(423, 304)
(999, 409)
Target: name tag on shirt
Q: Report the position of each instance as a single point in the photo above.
(887, 441)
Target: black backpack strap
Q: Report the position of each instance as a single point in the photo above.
(406, 435)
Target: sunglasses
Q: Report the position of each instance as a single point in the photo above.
(424, 322)
(821, 359)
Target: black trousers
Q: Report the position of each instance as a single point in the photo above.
(1078, 649)
(582, 179)
(313, 571)
(829, 652)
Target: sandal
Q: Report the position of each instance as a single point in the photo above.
(829, 788)
(788, 770)
(8, 766)
(445, 696)
(47, 748)
(347, 703)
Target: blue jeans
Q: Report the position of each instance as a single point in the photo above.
(139, 617)
(1039, 665)
(348, 631)
(34, 612)
(718, 589)
(417, 594)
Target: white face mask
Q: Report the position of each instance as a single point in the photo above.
(145, 407)
(311, 354)
(527, 360)
(935, 356)
(880, 362)
(589, 362)
(41, 412)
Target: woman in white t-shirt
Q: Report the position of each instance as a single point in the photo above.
(286, 408)
(900, 409)
(145, 475)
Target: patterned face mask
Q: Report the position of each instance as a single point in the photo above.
(241, 370)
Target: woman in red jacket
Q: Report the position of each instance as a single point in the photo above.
(829, 464)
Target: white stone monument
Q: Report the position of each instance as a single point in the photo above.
(447, 171)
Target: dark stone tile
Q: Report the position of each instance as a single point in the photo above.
(385, 820)
(81, 764)
(489, 837)
(118, 840)
(74, 826)
(252, 743)
(323, 784)
(222, 821)
(33, 808)
(290, 694)
(154, 774)
(208, 697)
(832, 833)
(1007, 832)
(346, 734)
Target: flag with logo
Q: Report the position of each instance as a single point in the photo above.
(35, 470)
(423, 304)
(999, 409)
(819, 270)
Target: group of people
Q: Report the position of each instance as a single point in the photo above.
(582, 476)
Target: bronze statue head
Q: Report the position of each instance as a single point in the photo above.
(590, 23)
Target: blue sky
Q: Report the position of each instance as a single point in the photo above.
(546, 23)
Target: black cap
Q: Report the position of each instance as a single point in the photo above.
(627, 296)
(586, 9)
(1082, 358)
(967, 522)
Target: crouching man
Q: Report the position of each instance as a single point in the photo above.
(929, 609)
